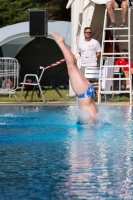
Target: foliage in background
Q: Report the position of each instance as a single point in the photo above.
(15, 11)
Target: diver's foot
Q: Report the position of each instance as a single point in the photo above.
(57, 37)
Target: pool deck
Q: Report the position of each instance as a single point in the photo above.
(58, 103)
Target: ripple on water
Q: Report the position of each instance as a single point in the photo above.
(45, 154)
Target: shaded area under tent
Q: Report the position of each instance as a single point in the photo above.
(31, 55)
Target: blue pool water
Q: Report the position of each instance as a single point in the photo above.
(46, 155)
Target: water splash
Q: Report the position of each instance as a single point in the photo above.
(106, 115)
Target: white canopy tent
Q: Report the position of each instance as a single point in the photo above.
(14, 37)
(15, 42)
(89, 13)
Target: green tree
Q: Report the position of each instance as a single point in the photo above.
(14, 11)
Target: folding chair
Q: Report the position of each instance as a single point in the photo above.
(117, 72)
(36, 83)
(37, 80)
(92, 73)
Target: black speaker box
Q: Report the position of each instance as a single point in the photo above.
(38, 23)
(130, 2)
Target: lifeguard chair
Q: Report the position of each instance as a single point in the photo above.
(121, 36)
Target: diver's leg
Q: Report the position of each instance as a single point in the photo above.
(78, 81)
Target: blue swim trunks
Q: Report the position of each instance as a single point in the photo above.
(89, 93)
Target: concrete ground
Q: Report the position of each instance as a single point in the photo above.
(72, 103)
